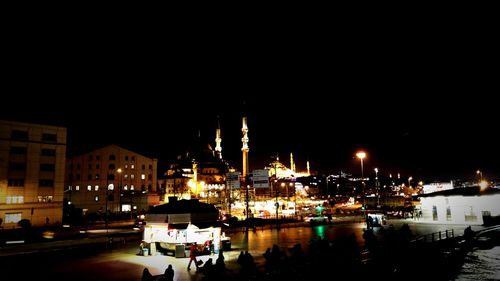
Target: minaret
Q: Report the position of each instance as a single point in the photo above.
(218, 140)
(308, 169)
(292, 164)
(244, 148)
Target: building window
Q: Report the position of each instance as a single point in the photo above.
(90, 157)
(46, 183)
(151, 167)
(133, 158)
(96, 188)
(143, 166)
(97, 157)
(126, 166)
(131, 187)
(47, 167)
(15, 199)
(132, 176)
(77, 177)
(126, 157)
(96, 176)
(89, 188)
(45, 199)
(150, 177)
(97, 166)
(448, 213)
(132, 166)
(77, 188)
(125, 176)
(96, 198)
(89, 177)
(112, 157)
(434, 213)
(14, 166)
(18, 150)
(143, 176)
(111, 166)
(470, 215)
(70, 177)
(15, 182)
(13, 217)
(49, 137)
(90, 166)
(19, 135)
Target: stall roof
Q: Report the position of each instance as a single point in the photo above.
(183, 207)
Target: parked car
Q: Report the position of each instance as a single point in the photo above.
(314, 218)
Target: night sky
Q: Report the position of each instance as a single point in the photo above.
(427, 110)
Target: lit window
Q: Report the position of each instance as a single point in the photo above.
(132, 166)
(14, 199)
(125, 187)
(77, 188)
(132, 176)
(89, 188)
(111, 187)
(125, 176)
(96, 188)
(96, 198)
(13, 217)
(131, 187)
(143, 176)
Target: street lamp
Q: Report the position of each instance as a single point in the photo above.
(361, 155)
(377, 187)
(119, 170)
(480, 174)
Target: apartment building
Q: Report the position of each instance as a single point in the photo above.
(113, 180)
(32, 168)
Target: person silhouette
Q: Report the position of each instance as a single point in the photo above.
(169, 273)
(146, 275)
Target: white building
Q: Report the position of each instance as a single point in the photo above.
(460, 206)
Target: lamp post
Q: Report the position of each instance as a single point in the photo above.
(480, 174)
(361, 155)
(377, 187)
(119, 170)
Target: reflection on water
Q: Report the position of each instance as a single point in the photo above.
(258, 241)
(481, 265)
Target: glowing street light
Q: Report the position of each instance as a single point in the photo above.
(361, 155)
(480, 174)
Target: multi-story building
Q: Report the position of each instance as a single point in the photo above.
(111, 179)
(32, 162)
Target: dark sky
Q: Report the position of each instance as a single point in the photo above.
(424, 108)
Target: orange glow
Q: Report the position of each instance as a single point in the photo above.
(361, 155)
(483, 185)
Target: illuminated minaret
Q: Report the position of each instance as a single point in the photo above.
(292, 164)
(218, 140)
(244, 148)
(308, 169)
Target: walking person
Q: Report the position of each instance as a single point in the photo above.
(193, 251)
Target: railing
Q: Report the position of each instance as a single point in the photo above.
(436, 236)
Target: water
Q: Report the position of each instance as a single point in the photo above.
(481, 265)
